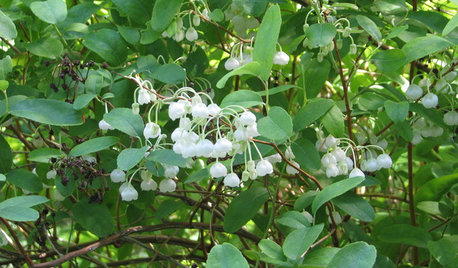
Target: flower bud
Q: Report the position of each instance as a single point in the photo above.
(281, 58)
(191, 34)
(196, 20)
(143, 96)
(51, 174)
(231, 64)
(135, 108)
(264, 167)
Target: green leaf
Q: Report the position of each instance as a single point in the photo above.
(389, 60)
(168, 157)
(306, 154)
(311, 112)
(397, 111)
(391, 6)
(46, 47)
(137, 10)
(130, 34)
(253, 68)
(67, 189)
(6, 66)
(320, 34)
(43, 155)
(430, 207)
(404, 129)
(82, 101)
(319, 258)
(129, 157)
(314, 75)
(123, 119)
(277, 125)
(6, 156)
(333, 121)
(198, 175)
(293, 219)
(424, 46)
(222, 255)
(167, 207)
(451, 25)
(94, 217)
(7, 27)
(24, 201)
(434, 189)
(433, 115)
(333, 191)
(24, 179)
(444, 250)
(355, 255)
(4, 85)
(305, 200)
(108, 44)
(356, 206)
(244, 98)
(404, 234)
(298, 241)
(266, 40)
(170, 74)
(275, 90)
(50, 11)
(370, 27)
(19, 214)
(93, 145)
(271, 249)
(164, 12)
(47, 111)
(238, 213)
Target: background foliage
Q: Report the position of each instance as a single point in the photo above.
(66, 65)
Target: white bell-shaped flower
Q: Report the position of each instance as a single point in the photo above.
(320, 145)
(214, 110)
(425, 82)
(273, 159)
(450, 77)
(51, 174)
(416, 139)
(339, 154)
(179, 35)
(240, 134)
(281, 58)
(292, 171)
(128, 192)
(223, 145)
(384, 161)
(178, 133)
(231, 64)
(218, 170)
(414, 92)
(430, 100)
(349, 162)
(331, 141)
(343, 167)
(289, 153)
(199, 110)
(371, 165)
(247, 118)
(171, 171)
(152, 130)
(328, 160)
(143, 96)
(176, 110)
(451, 118)
(167, 185)
(103, 125)
(356, 172)
(148, 185)
(191, 34)
(332, 171)
(231, 180)
(252, 131)
(117, 175)
(264, 167)
(204, 148)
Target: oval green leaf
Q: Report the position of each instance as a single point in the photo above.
(320, 34)
(93, 145)
(123, 119)
(108, 44)
(355, 255)
(222, 255)
(50, 11)
(7, 27)
(277, 125)
(128, 158)
(298, 241)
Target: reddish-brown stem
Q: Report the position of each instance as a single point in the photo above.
(17, 242)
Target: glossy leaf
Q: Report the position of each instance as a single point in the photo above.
(170, 74)
(130, 157)
(277, 125)
(293, 219)
(370, 27)
(315, 75)
(319, 258)
(405, 234)
(451, 25)
(24, 201)
(333, 121)
(244, 98)
(397, 111)
(47, 111)
(7, 27)
(424, 46)
(356, 206)
(334, 190)
(83, 100)
(108, 44)
(434, 189)
(6, 66)
(19, 213)
(298, 241)
(50, 11)
(94, 217)
(46, 47)
(320, 34)
(25, 180)
(164, 12)
(311, 112)
(355, 255)
(238, 213)
(306, 154)
(137, 10)
(271, 249)
(221, 255)
(123, 119)
(444, 250)
(93, 145)
(389, 60)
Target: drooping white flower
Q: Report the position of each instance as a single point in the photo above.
(178, 133)
(222, 146)
(264, 167)
(247, 118)
(349, 162)
(179, 35)
(328, 160)
(371, 165)
(384, 161)
(51, 174)
(231, 180)
(176, 110)
(171, 171)
(218, 170)
(342, 167)
(289, 153)
(240, 134)
(231, 64)
(204, 148)
(148, 185)
(414, 92)
(128, 192)
(339, 154)
(152, 130)
(117, 175)
(103, 125)
(273, 159)
(356, 172)
(292, 171)
(214, 109)
(331, 141)
(281, 58)
(332, 171)
(143, 96)
(451, 118)
(199, 110)
(191, 34)
(430, 100)
(167, 185)
(416, 139)
(135, 108)
(320, 145)
(252, 131)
